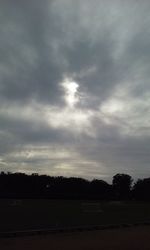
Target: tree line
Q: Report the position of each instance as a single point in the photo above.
(21, 185)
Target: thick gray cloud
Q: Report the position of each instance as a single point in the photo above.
(28, 68)
(74, 87)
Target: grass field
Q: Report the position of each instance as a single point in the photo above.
(38, 214)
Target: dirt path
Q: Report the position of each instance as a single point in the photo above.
(129, 238)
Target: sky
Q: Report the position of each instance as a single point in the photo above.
(75, 87)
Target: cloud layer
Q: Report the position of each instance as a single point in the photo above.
(74, 87)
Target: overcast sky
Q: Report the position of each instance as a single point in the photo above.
(75, 87)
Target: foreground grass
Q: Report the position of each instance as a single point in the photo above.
(38, 214)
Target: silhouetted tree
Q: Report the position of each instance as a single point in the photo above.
(141, 189)
(100, 189)
(122, 186)
(21, 185)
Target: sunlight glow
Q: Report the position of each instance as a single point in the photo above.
(71, 92)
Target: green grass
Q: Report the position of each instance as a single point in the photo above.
(37, 214)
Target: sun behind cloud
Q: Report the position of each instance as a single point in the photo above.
(71, 92)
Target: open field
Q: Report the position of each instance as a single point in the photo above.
(120, 239)
(41, 214)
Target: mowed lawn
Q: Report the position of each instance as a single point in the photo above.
(41, 214)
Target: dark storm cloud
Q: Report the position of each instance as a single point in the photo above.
(101, 45)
